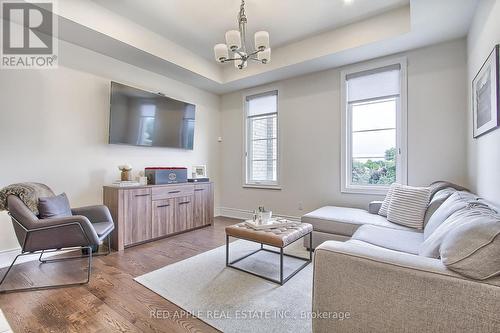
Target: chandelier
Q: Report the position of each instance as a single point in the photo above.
(236, 43)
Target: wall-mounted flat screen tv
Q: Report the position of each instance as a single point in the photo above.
(141, 118)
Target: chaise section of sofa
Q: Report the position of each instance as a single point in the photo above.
(340, 223)
(391, 291)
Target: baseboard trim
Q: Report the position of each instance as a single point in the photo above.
(244, 214)
(8, 256)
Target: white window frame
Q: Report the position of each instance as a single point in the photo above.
(273, 185)
(401, 129)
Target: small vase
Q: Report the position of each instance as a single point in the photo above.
(125, 176)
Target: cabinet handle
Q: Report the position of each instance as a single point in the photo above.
(174, 192)
(141, 195)
(184, 202)
(160, 206)
(199, 189)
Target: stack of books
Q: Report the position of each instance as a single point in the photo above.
(267, 224)
(125, 183)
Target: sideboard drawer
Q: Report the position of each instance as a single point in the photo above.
(167, 192)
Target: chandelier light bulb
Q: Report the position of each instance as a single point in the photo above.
(221, 52)
(265, 56)
(233, 40)
(261, 40)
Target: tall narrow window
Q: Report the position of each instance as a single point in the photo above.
(374, 132)
(262, 139)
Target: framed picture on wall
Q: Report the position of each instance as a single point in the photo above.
(485, 96)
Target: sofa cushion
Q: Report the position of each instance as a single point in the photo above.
(430, 246)
(385, 204)
(345, 221)
(442, 184)
(408, 205)
(473, 249)
(455, 202)
(436, 201)
(51, 207)
(393, 239)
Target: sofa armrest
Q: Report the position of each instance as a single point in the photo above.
(374, 207)
(95, 214)
(391, 291)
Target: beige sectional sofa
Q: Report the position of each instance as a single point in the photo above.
(391, 278)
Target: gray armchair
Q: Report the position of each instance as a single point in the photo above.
(88, 228)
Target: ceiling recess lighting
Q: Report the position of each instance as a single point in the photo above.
(236, 43)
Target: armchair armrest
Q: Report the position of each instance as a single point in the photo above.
(374, 207)
(391, 291)
(95, 214)
(61, 232)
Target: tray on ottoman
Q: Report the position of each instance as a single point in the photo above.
(279, 237)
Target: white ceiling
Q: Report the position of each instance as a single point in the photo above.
(199, 25)
(175, 38)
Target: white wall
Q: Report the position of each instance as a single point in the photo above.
(309, 111)
(54, 127)
(483, 152)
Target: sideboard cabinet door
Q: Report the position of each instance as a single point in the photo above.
(137, 211)
(163, 217)
(203, 205)
(183, 215)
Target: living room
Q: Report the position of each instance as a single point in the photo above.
(245, 166)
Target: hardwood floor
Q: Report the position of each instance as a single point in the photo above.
(112, 301)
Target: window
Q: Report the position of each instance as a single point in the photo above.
(374, 134)
(262, 139)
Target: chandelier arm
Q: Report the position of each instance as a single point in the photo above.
(255, 52)
(240, 53)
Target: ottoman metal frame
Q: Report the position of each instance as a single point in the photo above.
(282, 280)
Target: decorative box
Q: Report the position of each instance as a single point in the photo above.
(165, 175)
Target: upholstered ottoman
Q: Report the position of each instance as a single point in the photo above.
(278, 237)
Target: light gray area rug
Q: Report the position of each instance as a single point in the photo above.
(234, 301)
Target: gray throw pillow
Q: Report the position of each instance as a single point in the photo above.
(56, 206)
(473, 249)
(385, 204)
(430, 246)
(455, 202)
(408, 205)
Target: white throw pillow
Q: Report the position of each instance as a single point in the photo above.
(408, 205)
(385, 204)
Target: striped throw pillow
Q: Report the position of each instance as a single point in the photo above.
(408, 205)
(385, 204)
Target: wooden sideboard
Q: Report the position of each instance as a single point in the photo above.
(146, 213)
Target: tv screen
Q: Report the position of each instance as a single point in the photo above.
(141, 118)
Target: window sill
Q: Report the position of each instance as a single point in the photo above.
(365, 190)
(263, 186)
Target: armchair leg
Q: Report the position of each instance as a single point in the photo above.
(108, 246)
(89, 271)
